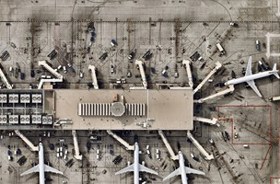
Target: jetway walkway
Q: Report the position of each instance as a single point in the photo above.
(120, 140)
(77, 154)
(199, 147)
(167, 145)
(212, 121)
(226, 91)
(218, 65)
(93, 76)
(42, 81)
(50, 69)
(137, 87)
(59, 77)
(139, 63)
(27, 141)
(187, 64)
(5, 80)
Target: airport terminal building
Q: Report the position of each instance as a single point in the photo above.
(82, 109)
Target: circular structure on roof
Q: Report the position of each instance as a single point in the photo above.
(117, 109)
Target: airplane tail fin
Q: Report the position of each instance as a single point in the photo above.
(275, 71)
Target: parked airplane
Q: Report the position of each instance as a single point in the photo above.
(41, 167)
(136, 167)
(183, 170)
(249, 77)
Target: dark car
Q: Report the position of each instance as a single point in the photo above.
(114, 43)
(69, 163)
(52, 54)
(32, 73)
(243, 71)
(22, 160)
(227, 135)
(195, 56)
(18, 151)
(10, 153)
(117, 159)
(233, 24)
(94, 138)
(5, 55)
(148, 55)
(202, 66)
(91, 26)
(262, 66)
(153, 70)
(92, 39)
(103, 56)
(220, 84)
(258, 45)
(22, 76)
(233, 75)
(51, 146)
(131, 56)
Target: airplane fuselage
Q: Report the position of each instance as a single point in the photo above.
(184, 178)
(41, 164)
(136, 166)
(250, 77)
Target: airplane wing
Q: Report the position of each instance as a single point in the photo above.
(173, 174)
(146, 169)
(249, 67)
(51, 169)
(254, 87)
(193, 171)
(31, 170)
(129, 168)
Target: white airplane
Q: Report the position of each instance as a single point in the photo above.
(183, 170)
(41, 167)
(136, 167)
(249, 77)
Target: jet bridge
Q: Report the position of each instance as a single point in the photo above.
(212, 121)
(59, 77)
(139, 63)
(4, 79)
(274, 99)
(187, 64)
(218, 65)
(42, 81)
(120, 140)
(50, 69)
(93, 75)
(229, 90)
(199, 147)
(167, 145)
(27, 141)
(137, 87)
(77, 154)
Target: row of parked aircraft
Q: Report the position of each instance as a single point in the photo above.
(41, 168)
(136, 168)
